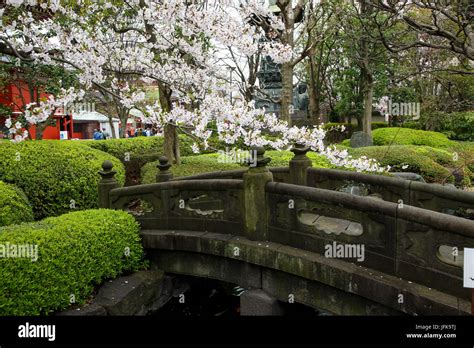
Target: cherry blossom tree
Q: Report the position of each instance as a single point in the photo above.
(175, 44)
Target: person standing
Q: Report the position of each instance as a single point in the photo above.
(105, 134)
(97, 135)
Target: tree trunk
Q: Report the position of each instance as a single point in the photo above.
(367, 81)
(111, 123)
(171, 139)
(360, 100)
(286, 92)
(368, 96)
(171, 144)
(40, 127)
(314, 89)
(317, 88)
(287, 69)
(123, 116)
(312, 107)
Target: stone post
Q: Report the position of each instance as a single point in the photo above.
(163, 174)
(107, 184)
(256, 210)
(299, 165)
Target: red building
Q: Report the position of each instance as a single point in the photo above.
(16, 95)
(79, 125)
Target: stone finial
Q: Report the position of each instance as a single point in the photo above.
(107, 184)
(164, 164)
(163, 174)
(107, 171)
(258, 155)
(299, 164)
(300, 150)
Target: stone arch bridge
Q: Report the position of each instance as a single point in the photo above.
(395, 247)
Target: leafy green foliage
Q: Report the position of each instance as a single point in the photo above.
(455, 125)
(426, 161)
(55, 174)
(134, 153)
(190, 165)
(346, 143)
(406, 136)
(119, 148)
(76, 252)
(282, 159)
(138, 146)
(14, 205)
(458, 126)
(206, 163)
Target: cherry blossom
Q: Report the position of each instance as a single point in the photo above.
(171, 42)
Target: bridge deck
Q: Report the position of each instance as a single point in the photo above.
(379, 287)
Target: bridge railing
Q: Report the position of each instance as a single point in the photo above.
(280, 174)
(416, 244)
(412, 243)
(417, 194)
(193, 205)
(391, 189)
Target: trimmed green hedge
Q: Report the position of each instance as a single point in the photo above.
(138, 146)
(56, 176)
(75, 252)
(134, 153)
(407, 136)
(14, 205)
(121, 147)
(190, 165)
(423, 160)
(205, 163)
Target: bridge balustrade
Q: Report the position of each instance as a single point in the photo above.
(279, 205)
(427, 196)
(392, 189)
(408, 242)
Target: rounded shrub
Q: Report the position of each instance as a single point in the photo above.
(190, 165)
(135, 152)
(403, 158)
(14, 205)
(346, 143)
(283, 158)
(125, 147)
(56, 176)
(64, 256)
(407, 136)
